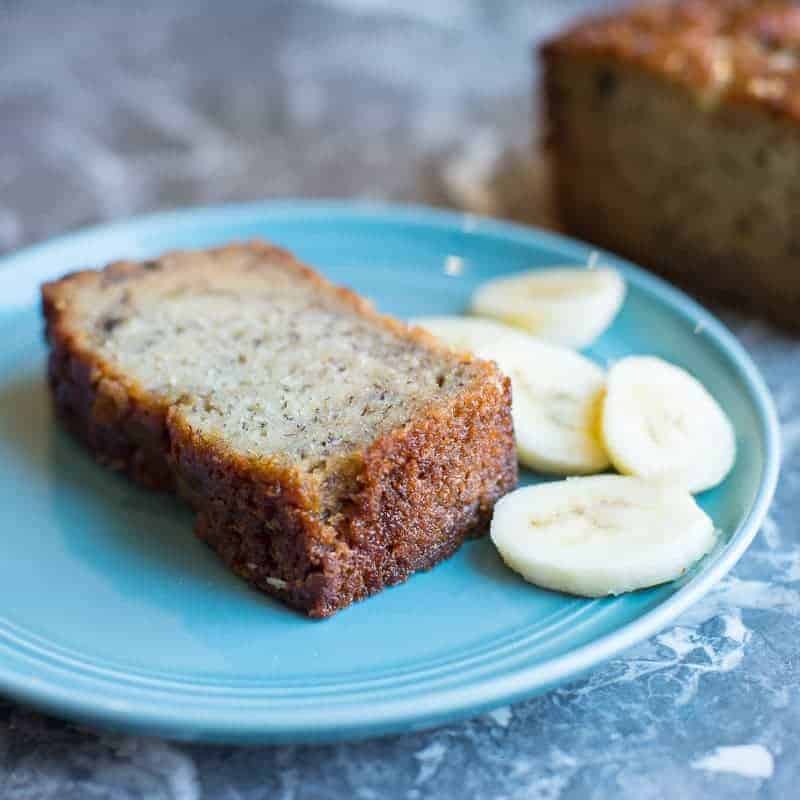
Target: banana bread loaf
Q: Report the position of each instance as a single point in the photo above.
(327, 450)
(674, 130)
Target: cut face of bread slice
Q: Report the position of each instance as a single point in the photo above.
(329, 451)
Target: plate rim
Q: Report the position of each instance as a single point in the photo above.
(412, 711)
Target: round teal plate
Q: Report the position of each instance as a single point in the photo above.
(112, 612)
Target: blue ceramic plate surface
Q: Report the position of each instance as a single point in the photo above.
(112, 612)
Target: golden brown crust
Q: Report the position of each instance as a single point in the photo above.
(121, 423)
(723, 51)
(417, 491)
(429, 484)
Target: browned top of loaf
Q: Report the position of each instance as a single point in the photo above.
(744, 51)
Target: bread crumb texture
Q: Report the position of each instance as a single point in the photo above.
(329, 451)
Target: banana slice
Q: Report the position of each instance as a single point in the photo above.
(557, 397)
(556, 393)
(567, 305)
(468, 333)
(660, 423)
(601, 535)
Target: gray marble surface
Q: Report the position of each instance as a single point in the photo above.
(110, 109)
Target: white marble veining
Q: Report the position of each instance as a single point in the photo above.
(747, 760)
(113, 109)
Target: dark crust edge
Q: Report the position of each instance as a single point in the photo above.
(421, 489)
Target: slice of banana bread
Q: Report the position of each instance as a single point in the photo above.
(327, 450)
(674, 130)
